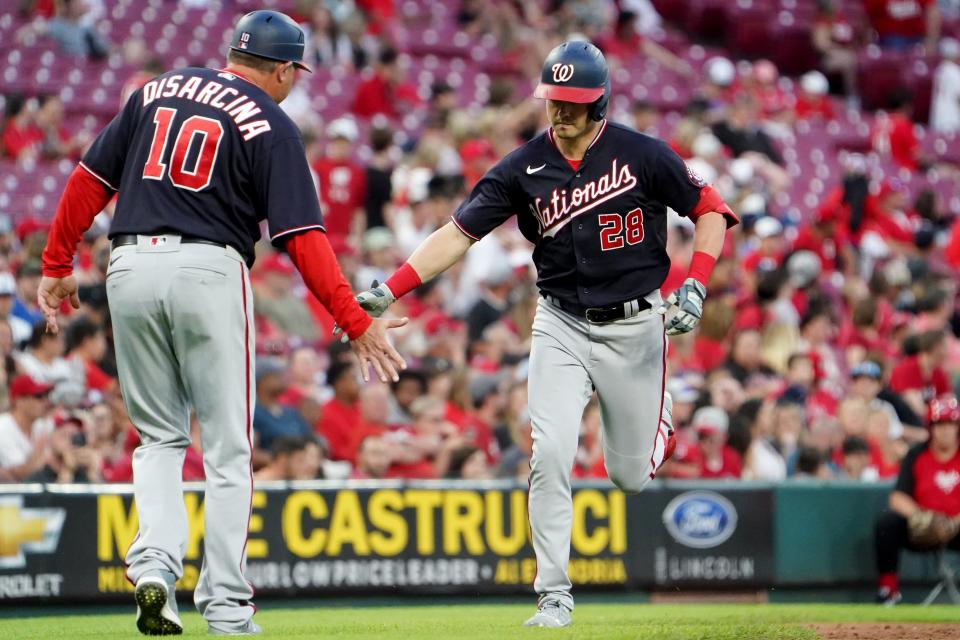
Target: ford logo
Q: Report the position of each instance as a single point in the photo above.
(700, 519)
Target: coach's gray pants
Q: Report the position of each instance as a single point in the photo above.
(570, 357)
(183, 329)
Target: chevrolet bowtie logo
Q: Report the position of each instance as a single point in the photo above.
(26, 530)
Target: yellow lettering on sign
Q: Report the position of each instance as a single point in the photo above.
(589, 544)
(528, 570)
(462, 516)
(499, 542)
(194, 524)
(292, 523)
(113, 580)
(508, 572)
(190, 578)
(347, 525)
(257, 547)
(618, 522)
(391, 536)
(425, 502)
(116, 527)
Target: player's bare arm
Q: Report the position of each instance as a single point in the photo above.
(709, 233)
(440, 251)
(710, 228)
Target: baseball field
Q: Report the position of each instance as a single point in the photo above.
(593, 620)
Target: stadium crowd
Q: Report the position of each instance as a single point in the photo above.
(829, 325)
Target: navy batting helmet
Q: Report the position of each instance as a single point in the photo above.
(576, 71)
(271, 35)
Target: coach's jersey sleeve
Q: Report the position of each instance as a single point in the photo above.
(289, 196)
(107, 156)
(491, 202)
(674, 184)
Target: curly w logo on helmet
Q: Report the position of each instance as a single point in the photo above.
(562, 72)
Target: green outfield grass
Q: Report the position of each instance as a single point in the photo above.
(496, 621)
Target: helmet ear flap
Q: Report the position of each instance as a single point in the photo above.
(598, 109)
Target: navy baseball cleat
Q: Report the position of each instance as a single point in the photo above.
(156, 608)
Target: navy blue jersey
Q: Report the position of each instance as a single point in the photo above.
(207, 154)
(600, 231)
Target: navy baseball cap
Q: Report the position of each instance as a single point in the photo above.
(272, 35)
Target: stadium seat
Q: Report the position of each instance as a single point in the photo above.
(707, 19)
(879, 73)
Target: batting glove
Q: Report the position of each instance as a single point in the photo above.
(689, 302)
(375, 301)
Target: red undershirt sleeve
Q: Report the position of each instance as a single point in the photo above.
(314, 258)
(83, 198)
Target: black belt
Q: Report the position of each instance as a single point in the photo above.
(599, 315)
(130, 238)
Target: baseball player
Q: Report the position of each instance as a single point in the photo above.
(924, 506)
(592, 197)
(199, 157)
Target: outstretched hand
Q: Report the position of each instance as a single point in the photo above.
(373, 348)
(51, 294)
(375, 301)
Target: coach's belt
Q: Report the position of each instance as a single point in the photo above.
(599, 315)
(130, 238)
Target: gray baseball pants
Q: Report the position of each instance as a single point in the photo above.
(569, 358)
(183, 330)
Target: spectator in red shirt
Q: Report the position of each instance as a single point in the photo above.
(710, 344)
(894, 135)
(920, 378)
(373, 458)
(478, 155)
(827, 236)
(929, 480)
(21, 137)
(900, 24)
(715, 458)
(624, 43)
(343, 182)
(813, 103)
(341, 414)
(86, 346)
(763, 85)
(835, 40)
(384, 90)
(57, 141)
(769, 252)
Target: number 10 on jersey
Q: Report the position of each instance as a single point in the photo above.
(617, 231)
(211, 132)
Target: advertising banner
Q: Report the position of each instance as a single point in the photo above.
(68, 542)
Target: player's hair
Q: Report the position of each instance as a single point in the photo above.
(264, 65)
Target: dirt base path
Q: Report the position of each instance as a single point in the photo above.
(887, 631)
